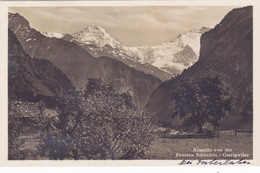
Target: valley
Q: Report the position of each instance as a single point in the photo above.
(87, 96)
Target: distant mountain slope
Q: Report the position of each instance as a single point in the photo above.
(163, 61)
(79, 65)
(227, 51)
(98, 42)
(33, 79)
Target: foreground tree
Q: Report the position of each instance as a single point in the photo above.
(99, 123)
(110, 126)
(203, 100)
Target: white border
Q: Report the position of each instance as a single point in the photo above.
(3, 76)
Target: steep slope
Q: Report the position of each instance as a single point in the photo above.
(33, 79)
(226, 51)
(63, 54)
(79, 65)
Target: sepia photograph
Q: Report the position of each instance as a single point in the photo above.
(131, 83)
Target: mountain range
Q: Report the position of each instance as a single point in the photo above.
(96, 54)
(163, 61)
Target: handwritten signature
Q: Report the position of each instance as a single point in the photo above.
(215, 162)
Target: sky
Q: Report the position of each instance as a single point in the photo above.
(133, 26)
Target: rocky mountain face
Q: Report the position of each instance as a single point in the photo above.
(163, 61)
(33, 79)
(226, 51)
(79, 65)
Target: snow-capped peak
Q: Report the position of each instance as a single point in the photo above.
(52, 34)
(192, 39)
(97, 35)
(94, 28)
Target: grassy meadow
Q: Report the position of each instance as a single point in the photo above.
(166, 148)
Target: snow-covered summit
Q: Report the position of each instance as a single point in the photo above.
(52, 34)
(192, 39)
(96, 35)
